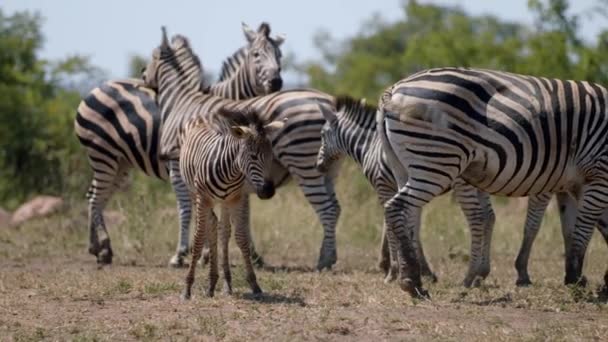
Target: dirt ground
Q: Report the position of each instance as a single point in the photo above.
(50, 289)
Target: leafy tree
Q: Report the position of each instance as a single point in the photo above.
(39, 150)
(434, 36)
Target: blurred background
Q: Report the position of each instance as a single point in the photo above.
(53, 53)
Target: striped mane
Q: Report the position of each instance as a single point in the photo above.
(232, 64)
(356, 111)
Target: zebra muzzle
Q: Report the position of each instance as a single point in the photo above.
(266, 191)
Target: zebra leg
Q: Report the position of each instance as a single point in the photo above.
(537, 205)
(240, 215)
(593, 202)
(425, 269)
(322, 198)
(225, 230)
(478, 211)
(105, 182)
(384, 259)
(402, 214)
(393, 247)
(203, 209)
(184, 207)
(212, 241)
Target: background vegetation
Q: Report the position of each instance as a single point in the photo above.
(45, 265)
(38, 98)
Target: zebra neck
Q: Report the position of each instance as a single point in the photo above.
(358, 142)
(238, 86)
(228, 158)
(171, 94)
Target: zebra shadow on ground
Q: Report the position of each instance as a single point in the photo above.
(274, 298)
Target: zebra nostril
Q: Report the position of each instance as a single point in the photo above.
(276, 84)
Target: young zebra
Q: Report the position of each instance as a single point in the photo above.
(121, 127)
(503, 133)
(215, 160)
(352, 131)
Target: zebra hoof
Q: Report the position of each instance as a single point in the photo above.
(105, 257)
(417, 292)
(384, 266)
(431, 276)
(257, 291)
(186, 295)
(523, 282)
(177, 261)
(227, 289)
(258, 262)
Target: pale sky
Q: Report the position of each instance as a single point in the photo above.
(110, 31)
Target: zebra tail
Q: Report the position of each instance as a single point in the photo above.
(398, 170)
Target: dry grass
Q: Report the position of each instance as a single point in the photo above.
(50, 289)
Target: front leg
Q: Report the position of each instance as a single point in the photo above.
(240, 214)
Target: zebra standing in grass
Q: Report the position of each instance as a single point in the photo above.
(295, 147)
(352, 131)
(215, 161)
(503, 133)
(120, 125)
(216, 158)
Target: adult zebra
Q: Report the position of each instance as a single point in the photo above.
(351, 131)
(120, 125)
(295, 147)
(504, 133)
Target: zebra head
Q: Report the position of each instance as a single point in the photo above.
(254, 158)
(173, 64)
(264, 58)
(329, 151)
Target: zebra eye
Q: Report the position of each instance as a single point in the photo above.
(256, 54)
(254, 156)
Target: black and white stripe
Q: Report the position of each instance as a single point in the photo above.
(120, 125)
(352, 131)
(216, 160)
(503, 133)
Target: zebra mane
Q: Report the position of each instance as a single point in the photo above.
(179, 42)
(248, 116)
(356, 111)
(232, 64)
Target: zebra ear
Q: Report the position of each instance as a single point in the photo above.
(327, 114)
(279, 39)
(274, 126)
(250, 34)
(241, 132)
(164, 43)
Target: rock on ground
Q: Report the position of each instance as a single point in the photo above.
(38, 206)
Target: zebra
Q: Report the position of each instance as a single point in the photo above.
(216, 160)
(295, 146)
(504, 133)
(351, 131)
(120, 125)
(536, 208)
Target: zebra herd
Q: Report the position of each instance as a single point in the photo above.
(477, 132)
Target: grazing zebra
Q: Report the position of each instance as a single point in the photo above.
(216, 159)
(120, 125)
(536, 209)
(352, 131)
(503, 133)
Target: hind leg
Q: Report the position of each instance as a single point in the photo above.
(593, 203)
(478, 211)
(225, 231)
(184, 207)
(205, 218)
(107, 176)
(536, 209)
(320, 194)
